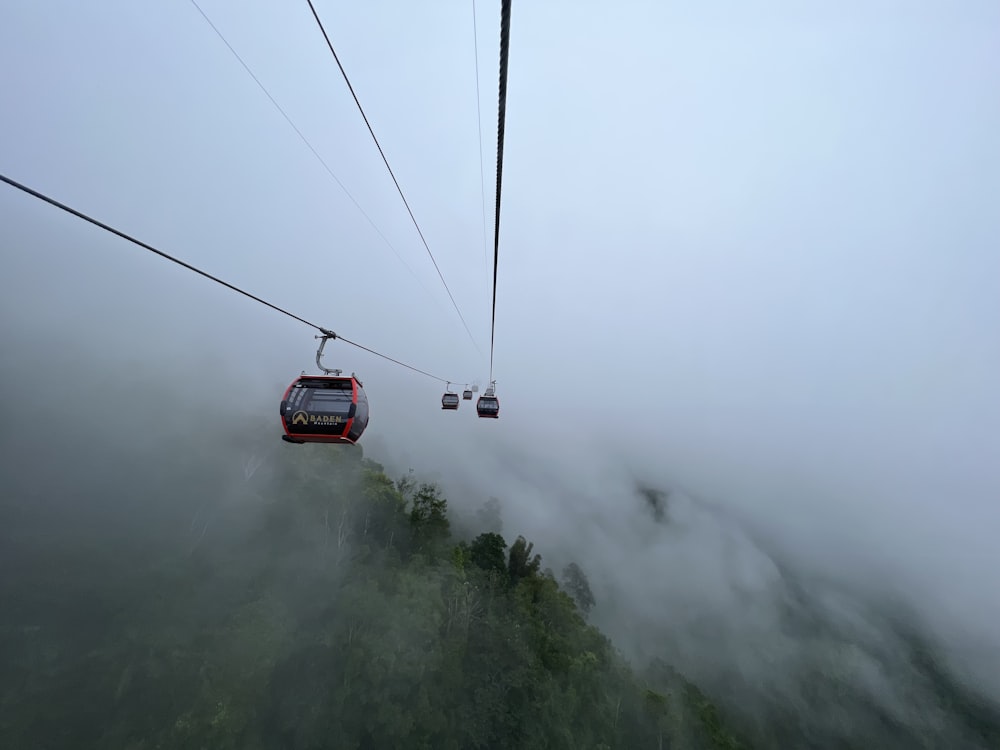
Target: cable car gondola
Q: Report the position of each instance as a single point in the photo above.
(467, 395)
(449, 400)
(328, 408)
(488, 405)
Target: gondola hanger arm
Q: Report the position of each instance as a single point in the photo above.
(327, 335)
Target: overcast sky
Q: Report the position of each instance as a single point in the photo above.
(754, 247)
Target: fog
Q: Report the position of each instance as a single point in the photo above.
(748, 258)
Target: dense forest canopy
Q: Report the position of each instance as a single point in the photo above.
(320, 604)
(229, 590)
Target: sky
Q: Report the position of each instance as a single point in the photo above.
(747, 250)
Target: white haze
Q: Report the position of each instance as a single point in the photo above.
(750, 256)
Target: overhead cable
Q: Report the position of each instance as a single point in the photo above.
(501, 119)
(308, 144)
(178, 261)
(479, 120)
(391, 174)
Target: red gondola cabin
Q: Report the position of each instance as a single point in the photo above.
(324, 409)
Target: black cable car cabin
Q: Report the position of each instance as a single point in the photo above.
(324, 409)
(467, 395)
(449, 401)
(488, 406)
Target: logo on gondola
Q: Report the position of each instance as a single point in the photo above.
(325, 419)
(301, 417)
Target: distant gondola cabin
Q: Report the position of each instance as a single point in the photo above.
(324, 409)
(488, 406)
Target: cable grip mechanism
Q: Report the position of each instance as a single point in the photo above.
(327, 335)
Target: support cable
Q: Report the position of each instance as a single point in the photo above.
(501, 118)
(150, 248)
(391, 174)
(308, 144)
(482, 169)
(304, 139)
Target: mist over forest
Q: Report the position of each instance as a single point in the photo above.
(168, 585)
(741, 313)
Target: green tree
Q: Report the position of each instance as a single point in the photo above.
(520, 562)
(576, 583)
(488, 552)
(429, 524)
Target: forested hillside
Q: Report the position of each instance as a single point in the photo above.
(305, 601)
